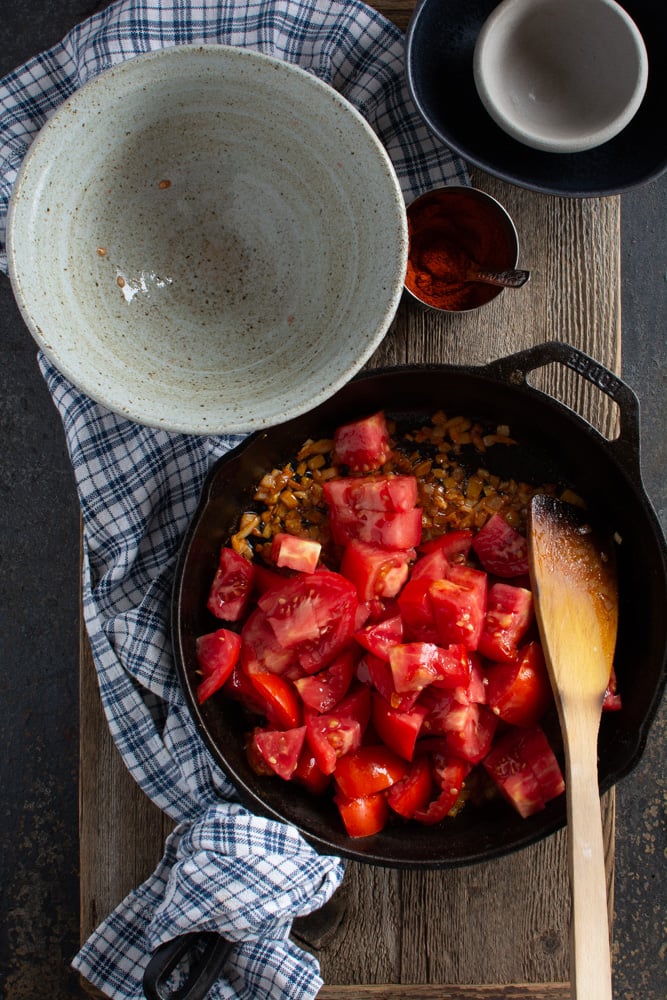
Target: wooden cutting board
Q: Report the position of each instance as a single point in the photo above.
(498, 929)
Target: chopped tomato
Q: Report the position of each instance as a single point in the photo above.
(417, 610)
(253, 756)
(364, 816)
(398, 729)
(413, 791)
(454, 545)
(280, 702)
(239, 687)
(473, 738)
(260, 650)
(468, 728)
(415, 665)
(281, 749)
(440, 705)
(322, 691)
(313, 614)
(459, 606)
(393, 493)
(379, 637)
(450, 774)
(455, 668)
(391, 529)
(308, 774)
(331, 736)
(520, 692)
(612, 699)
(509, 613)
(368, 770)
(301, 554)
(516, 781)
(375, 571)
(336, 733)
(525, 769)
(217, 654)
(232, 586)
(441, 554)
(475, 690)
(363, 613)
(356, 705)
(376, 671)
(501, 549)
(535, 745)
(363, 445)
(474, 579)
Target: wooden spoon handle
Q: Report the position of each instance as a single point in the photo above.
(590, 953)
(512, 278)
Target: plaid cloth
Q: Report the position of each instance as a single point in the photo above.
(224, 869)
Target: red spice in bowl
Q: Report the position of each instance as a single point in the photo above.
(448, 229)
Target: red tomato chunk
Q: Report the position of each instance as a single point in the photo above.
(388, 493)
(217, 654)
(501, 549)
(400, 529)
(232, 586)
(281, 749)
(393, 672)
(302, 554)
(368, 770)
(374, 570)
(364, 444)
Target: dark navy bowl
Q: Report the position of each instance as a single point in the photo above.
(439, 64)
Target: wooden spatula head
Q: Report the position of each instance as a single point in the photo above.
(573, 570)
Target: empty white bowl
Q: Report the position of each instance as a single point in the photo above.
(207, 240)
(560, 75)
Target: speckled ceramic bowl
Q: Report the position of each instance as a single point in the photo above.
(206, 239)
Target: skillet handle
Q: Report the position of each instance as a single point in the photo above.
(515, 368)
(204, 970)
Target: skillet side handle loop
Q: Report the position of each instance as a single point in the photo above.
(203, 973)
(515, 368)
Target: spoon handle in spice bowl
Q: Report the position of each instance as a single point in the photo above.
(513, 278)
(576, 601)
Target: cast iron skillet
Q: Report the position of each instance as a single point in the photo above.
(556, 444)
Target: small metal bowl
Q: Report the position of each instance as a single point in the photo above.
(446, 227)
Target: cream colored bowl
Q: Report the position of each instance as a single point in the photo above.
(562, 76)
(206, 239)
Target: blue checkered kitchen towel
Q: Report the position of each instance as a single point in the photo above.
(224, 869)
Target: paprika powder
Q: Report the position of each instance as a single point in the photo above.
(448, 229)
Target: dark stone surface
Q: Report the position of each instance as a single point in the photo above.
(39, 596)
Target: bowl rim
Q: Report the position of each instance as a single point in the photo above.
(229, 422)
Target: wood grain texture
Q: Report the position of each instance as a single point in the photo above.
(121, 832)
(524, 991)
(503, 922)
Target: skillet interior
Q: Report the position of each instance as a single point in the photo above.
(555, 445)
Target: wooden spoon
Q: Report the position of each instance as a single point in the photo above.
(573, 574)
(451, 263)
